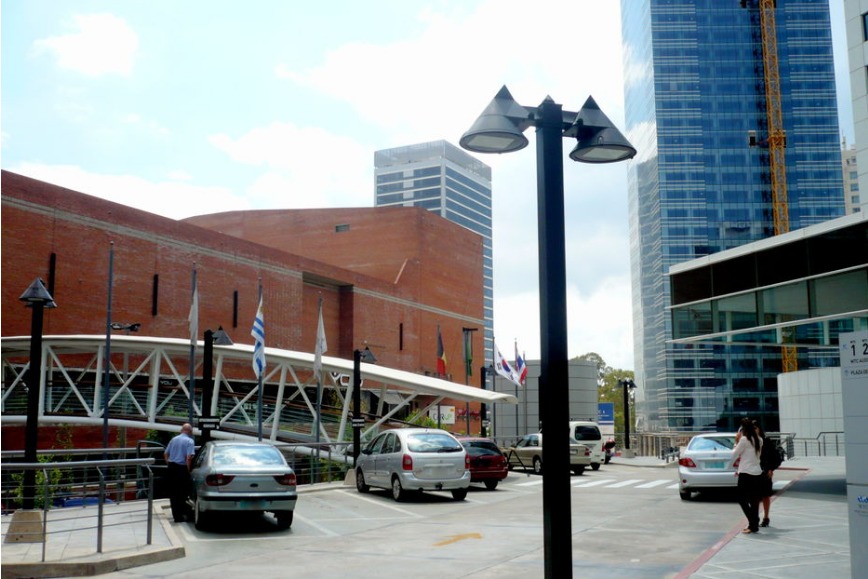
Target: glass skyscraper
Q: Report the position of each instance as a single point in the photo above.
(695, 98)
(444, 179)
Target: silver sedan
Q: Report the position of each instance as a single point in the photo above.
(242, 476)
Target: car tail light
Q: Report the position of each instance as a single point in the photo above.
(466, 462)
(287, 479)
(687, 462)
(587, 451)
(407, 462)
(218, 480)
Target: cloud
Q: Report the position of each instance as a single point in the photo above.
(596, 322)
(314, 166)
(101, 44)
(168, 198)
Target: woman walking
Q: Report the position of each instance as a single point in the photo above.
(747, 454)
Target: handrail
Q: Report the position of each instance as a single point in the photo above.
(79, 463)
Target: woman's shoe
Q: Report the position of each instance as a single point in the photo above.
(748, 531)
(765, 522)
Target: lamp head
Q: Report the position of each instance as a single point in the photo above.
(221, 338)
(367, 356)
(499, 128)
(37, 294)
(598, 139)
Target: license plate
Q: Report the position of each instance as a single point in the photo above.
(715, 464)
(252, 504)
(574, 451)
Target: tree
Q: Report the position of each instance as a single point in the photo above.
(608, 386)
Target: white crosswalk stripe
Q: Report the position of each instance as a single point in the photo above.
(624, 483)
(594, 483)
(654, 483)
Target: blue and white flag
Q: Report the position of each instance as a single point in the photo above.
(502, 367)
(258, 333)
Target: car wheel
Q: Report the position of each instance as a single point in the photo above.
(685, 495)
(284, 519)
(595, 466)
(361, 485)
(200, 517)
(397, 490)
(459, 494)
(580, 469)
(491, 484)
(537, 465)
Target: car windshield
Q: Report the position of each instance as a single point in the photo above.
(247, 456)
(587, 433)
(432, 442)
(481, 447)
(712, 443)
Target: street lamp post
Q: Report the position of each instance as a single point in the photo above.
(207, 422)
(37, 298)
(628, 385)
(499, 130)
(358, 422)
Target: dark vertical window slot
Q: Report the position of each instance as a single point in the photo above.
(52, 266)
(401, 336)
(235, 309)
(155, 294)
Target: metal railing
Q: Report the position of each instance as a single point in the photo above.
(825, 444)
(64, 484)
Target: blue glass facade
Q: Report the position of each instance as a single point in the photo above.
(694, 94)
(442, 178)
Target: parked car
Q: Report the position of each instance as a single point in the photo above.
(414, 459)
(241, 476)
(488, 464)
(707, 464)
(588, 433)
(528, 453)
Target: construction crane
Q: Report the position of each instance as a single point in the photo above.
(776, 142)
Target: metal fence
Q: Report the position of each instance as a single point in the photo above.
(824, 444)
(61, 485)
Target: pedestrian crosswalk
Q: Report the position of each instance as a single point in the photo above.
(635, 483)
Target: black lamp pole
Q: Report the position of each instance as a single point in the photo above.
(499, 130)
(628, 385)
(37, 298)
(357, 404)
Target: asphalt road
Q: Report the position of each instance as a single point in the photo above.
(626, 522)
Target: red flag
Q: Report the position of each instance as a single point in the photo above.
(441, 354)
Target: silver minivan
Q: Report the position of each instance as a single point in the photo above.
(414, 459)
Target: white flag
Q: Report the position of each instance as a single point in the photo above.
(321, 346)
(502, 367)
(193, 318)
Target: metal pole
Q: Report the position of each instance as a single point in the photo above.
(553, 381)
(108, 354)
(192, 390)
(483, 408)
(34, 382)
(357, 404)
(207, 383)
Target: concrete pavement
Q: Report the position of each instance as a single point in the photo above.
(808, 536)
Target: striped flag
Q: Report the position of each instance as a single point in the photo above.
(520, 367)
(441, 354)
(321, 346)
(258, 333)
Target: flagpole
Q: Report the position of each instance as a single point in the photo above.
(259, 393)
(192, 388)
(108, 354)
(318, 372)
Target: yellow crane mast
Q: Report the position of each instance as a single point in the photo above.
(777, 143)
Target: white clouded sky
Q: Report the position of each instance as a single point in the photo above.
(183, 108)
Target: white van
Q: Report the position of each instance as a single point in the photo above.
(588, 433)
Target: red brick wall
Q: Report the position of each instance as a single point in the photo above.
(298, 257)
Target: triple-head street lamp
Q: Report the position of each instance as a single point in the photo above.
(499, 129)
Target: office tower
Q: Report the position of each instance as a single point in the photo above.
(696, 108)
(444, 179)
(856, 19)
(850, 175)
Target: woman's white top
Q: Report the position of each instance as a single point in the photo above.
(750, 457)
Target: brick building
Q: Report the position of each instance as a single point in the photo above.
(388, 276)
